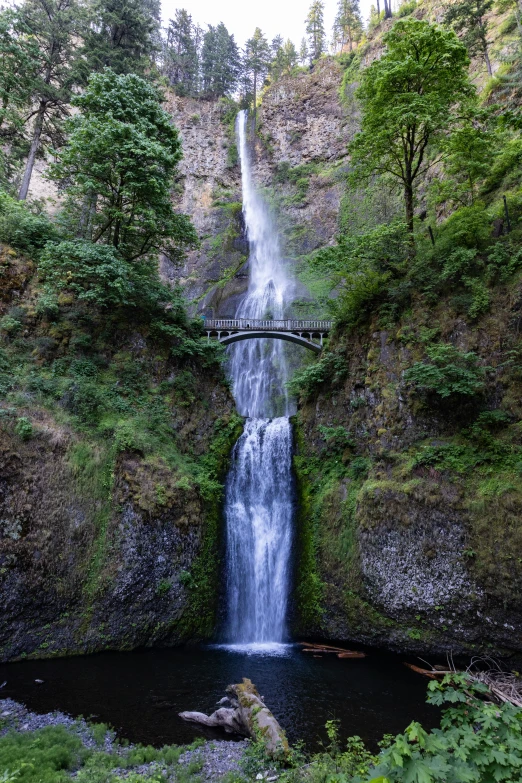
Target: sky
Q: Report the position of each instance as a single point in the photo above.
(241, 17)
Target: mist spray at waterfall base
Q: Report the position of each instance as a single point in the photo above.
(259, 490)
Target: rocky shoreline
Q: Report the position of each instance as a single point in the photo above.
(212, 760)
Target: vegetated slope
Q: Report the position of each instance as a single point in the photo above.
(409, 452)
(114, 438)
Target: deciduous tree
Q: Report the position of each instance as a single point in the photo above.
(410, 100)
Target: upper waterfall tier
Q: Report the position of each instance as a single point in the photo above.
(258, 367)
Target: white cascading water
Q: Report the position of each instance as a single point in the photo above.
(259, 497)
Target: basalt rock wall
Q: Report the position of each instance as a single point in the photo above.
(397, 549)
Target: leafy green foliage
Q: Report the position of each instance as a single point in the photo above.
(24, 428)
(56, 753)
(100, 275)
(469, 153)
(336, 438)
(23, 228)
(450, 373)
(44, 756)
(118, 164)
(369, 269)
(410, 98)
(478, 742)
(330, 367)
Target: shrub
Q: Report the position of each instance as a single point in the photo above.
(93, 273)
(10, 325)
(337, 438)
(24, 428)
(468, 227)
(23, 229)
(477, 741)
(43, 756)
(406, 8)
(450, 372)
(330, 367)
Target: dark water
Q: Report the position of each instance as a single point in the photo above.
(140, 693)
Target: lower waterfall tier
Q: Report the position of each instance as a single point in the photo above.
(258, 513)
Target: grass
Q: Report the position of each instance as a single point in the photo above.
(56, 754)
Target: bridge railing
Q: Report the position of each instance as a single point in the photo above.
(282, 325)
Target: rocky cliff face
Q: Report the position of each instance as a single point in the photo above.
(300, 158)
(411, 530)
(109, 538)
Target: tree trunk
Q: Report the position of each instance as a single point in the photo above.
(379, 7)
(38, 125)
(408, 203)
(484, 42)
(488, 63)
(88, 210)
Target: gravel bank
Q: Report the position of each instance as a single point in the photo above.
(217, 758)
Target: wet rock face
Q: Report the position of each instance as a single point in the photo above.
(87, 566)
(417, 565)
(209, 191)
(304, 130)
(410, 555)
(300, 159)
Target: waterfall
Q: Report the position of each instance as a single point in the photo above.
(258, 497)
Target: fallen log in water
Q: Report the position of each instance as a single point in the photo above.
(328, 649)
(248, 716)
(351, 654)
(431, 673)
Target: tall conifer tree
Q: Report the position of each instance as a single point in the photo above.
(347, 25)
(54, 25)
(123, 35)
(256, 62)
(220, 62)
(181, 54)
(315, 30)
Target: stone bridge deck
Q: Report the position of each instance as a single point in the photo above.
(302, 332)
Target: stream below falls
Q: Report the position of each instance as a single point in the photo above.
(140, 693)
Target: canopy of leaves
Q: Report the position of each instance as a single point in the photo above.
(118, 165)
(410, 98)
(122, 35)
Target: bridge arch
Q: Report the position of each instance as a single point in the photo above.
(252, 334)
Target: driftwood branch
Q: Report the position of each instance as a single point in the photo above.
(248, 715)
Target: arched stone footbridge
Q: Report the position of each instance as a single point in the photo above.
(309, 334)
